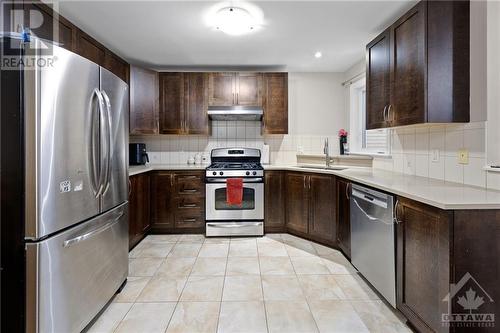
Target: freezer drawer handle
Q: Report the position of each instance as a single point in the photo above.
(92, 233)
(233, 225)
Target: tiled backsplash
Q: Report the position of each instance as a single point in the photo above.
(172, 149)
(414, 147)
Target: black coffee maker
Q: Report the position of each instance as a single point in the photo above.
(137, 154)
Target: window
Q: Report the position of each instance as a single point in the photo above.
(362, 140)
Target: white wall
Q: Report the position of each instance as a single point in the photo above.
(316, 103)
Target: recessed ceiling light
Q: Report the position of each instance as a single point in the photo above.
(318, 54)
(235, 20)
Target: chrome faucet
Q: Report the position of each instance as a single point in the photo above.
(326, 151)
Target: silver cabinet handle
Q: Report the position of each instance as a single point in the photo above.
(189, 205)
(389, 108)
(347, 191)
(385, 116)
(189, 220)
(78, 239)
(129, 187)
(396, 219)
(189, 190)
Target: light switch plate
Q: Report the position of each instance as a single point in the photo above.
(463, 156)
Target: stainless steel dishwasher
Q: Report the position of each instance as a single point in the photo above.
(373, 239)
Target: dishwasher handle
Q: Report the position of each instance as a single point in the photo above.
(369, 197)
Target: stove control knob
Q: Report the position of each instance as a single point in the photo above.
(214, 173)
(248, 173)
(254, 173)
(221, 173)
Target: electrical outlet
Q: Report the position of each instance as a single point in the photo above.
(435, 155)
(463, 156)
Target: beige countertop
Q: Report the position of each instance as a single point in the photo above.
(437, 193)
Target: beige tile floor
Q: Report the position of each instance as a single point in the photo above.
(277, 283)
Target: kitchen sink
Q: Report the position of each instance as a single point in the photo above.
(321, 167)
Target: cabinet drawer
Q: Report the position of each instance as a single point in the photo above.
(189, 184)
(189, 218)
(189, 202)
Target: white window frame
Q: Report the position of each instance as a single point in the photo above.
(357, 121)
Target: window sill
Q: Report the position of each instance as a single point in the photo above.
(366, 153)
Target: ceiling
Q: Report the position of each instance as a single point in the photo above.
(167, 35)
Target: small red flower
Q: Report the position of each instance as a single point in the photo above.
(343, 133)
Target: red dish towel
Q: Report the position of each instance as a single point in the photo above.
(234, 191)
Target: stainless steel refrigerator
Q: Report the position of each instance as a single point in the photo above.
(74, 139)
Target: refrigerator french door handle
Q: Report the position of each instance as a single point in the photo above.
(91, 151)
(100, 183)
(109, 140)
(92, 233)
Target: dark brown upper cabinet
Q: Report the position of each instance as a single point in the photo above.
(428, 50)
(275, 103)
(196, 103)
(171, 103)
(221, 89)
(45, 28)
(228, 89)
(378, 75)
(67, 36)
(183, 103)
(143, 101)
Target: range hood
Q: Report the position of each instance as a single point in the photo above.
(248, 113)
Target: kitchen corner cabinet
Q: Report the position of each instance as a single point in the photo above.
(343, 216)
(437, 248)
(183, 103)
(310, 206)
(275, 103)
(178, 201)
(425, 54)
(274, 205)
(143, 101)
(139, 208)
(231, 89)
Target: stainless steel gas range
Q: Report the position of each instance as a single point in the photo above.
(222, 218)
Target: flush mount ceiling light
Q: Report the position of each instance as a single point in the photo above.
(318, 54)
(235, 20)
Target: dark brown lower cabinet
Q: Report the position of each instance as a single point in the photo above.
(297, 202)
(274, 205)
(162, 183)
(447, 256)
(139, 210)
(178, 201)
(343, 216)
(311, 206)
(322, 207)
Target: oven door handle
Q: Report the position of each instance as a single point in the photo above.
(233, 225)
(245, 180)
